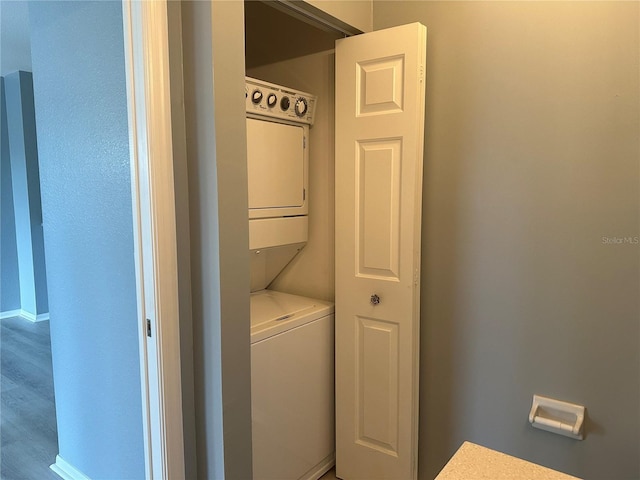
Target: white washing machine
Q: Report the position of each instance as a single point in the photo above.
(292, 337)
(292, 386)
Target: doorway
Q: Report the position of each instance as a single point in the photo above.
(28, 432)
(378, 148)
(304, 65)
(83, 149)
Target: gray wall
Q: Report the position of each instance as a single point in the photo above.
(79, 86)
(213, 47)
(9, 273)
(181, 182)
(25, 188)
(531, 160)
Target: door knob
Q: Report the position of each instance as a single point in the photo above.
(375, 299)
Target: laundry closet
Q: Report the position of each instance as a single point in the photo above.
(290, 97)
(300, 56)
(290, 151)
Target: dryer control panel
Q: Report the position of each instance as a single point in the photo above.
(271, 100)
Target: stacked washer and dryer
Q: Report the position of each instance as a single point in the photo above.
(292, 337)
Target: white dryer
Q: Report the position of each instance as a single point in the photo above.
(278, 120)
(292, 339)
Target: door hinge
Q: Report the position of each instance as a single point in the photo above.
(148, 327)
(304, 194)
(304, 142)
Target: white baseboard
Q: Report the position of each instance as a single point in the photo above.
(28, 316)
(67, 471)
(10, 313)
(321, 468)
(24, 314)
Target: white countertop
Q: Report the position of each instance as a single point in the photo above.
(473, 462)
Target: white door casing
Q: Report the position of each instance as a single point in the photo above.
(380, 90)
(154, 227)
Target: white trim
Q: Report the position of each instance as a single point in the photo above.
(133, 135)
(67, 471)
(152, 184)
(323, 467)
(24, 314)
(10, 313)
(28, 316)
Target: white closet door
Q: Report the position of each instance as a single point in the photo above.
(379, 143)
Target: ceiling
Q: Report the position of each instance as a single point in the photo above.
(15, 46)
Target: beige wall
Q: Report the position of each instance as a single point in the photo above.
(311, 273)
(531, 158)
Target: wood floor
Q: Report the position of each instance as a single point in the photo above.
(330, 475)
(28, 435)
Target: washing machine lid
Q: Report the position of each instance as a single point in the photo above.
(276, 312)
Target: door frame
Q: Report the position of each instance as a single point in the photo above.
(146, 45)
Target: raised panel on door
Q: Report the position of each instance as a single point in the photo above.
(379, 145)
(377, 387)
(378, 207)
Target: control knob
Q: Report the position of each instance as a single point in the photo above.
(256, 96)
(285, 103)
(301, 107)
(272, 100)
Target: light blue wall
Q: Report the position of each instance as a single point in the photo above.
(25, 181)
(80, 98)
(10, 282)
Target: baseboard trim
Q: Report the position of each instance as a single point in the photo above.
(321, 468)
(10, 313)
(24, 314)
(28, 316)
(66, 471)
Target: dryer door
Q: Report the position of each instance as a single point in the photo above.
(277, 169)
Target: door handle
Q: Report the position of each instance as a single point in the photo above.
(375, 299)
